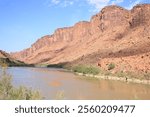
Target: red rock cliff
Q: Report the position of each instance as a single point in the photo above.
(112, 33)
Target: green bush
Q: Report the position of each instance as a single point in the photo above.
(111, 66)
(86, 69)
(8, 92)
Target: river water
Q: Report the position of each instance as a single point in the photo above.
(54, 83)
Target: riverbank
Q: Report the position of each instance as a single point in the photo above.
(123, 79)
(91, 71)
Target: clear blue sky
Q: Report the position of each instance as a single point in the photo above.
(22, 22)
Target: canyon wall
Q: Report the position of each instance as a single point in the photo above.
(111, 34)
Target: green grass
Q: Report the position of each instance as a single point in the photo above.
(86, 69)
(9, 92)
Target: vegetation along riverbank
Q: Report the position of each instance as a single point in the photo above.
(96, 72)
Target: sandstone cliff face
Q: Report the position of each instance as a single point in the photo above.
(48, 46)
(112, 33)
(140, 16)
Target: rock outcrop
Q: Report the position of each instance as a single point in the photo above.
(111, 34)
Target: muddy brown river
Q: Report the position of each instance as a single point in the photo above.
(58, 83)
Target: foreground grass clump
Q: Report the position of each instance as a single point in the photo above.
(8, 92)
(60, 95)
(86, 69)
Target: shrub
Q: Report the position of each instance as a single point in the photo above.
(8, 92)
(111, 66)
(86, 69)
(55, 66)
(59, 65)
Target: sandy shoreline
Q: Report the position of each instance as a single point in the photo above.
(123, 79)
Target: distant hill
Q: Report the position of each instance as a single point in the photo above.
(113, 35)
(6, 59)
